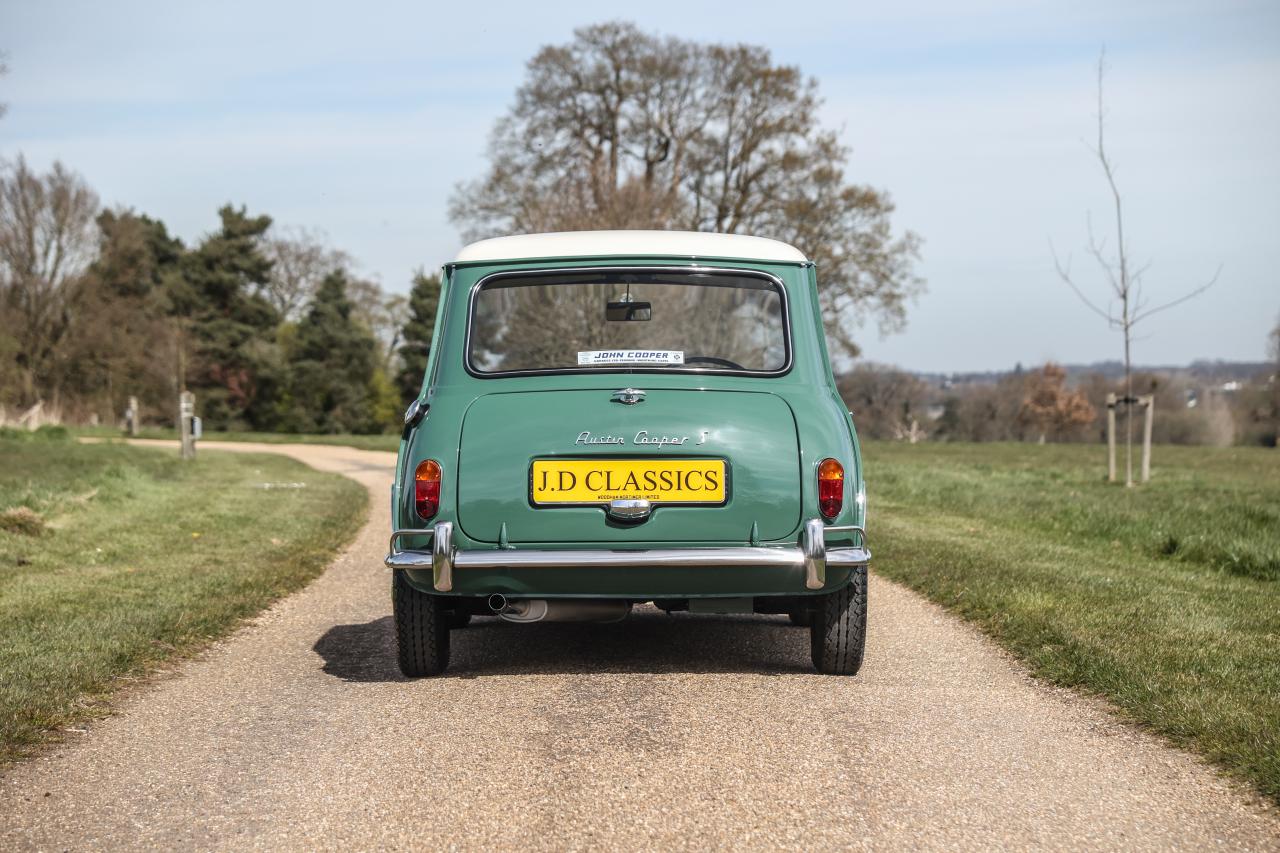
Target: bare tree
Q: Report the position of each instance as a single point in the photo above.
(4, 69)
(623, 129)
(381, 314)
(886, 402)
(47, 239)
(1123, 278)
(1273, 347)
(300, 259)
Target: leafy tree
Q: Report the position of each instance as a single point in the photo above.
(384, 403)
(622, 129)
(124, 336)
(136, 254)
(333, 367)
(229, 328)
(1050, 408)
(424, 299)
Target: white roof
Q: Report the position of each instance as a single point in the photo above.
(596, 244)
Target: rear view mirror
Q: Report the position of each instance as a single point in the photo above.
(622, 311)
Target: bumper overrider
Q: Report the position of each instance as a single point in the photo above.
(809, 556)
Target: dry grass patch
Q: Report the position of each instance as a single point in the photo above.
(21, 520)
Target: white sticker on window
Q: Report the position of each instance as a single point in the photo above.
(630, 356)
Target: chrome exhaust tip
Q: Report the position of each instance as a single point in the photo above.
(526, 610)
(498, 603)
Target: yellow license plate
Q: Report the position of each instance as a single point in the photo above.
(594, 481)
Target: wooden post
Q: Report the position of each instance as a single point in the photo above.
(131, 417)
(1111, 438)
(1149, 405)
(186, 411)
(31, 417)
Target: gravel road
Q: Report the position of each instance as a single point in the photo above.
(662, 731)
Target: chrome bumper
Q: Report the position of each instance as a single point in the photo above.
(810, 554)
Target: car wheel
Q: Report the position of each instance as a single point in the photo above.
(422, 629)
(838, 631)
(803, 618)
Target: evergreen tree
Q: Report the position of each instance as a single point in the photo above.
(424, 299)
(125, 336)
(136, 255)
(333, 366)
(229, 326)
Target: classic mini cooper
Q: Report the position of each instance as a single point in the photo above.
(622, 417)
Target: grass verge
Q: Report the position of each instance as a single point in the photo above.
(1165, 598)
(115, 558)
(362, 442)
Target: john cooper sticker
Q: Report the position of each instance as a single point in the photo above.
(630, 356)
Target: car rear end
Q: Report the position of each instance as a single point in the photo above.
(602, 431)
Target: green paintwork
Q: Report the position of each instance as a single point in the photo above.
(754, 432)
(486, 431)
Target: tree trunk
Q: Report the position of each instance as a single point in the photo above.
(1128, 407)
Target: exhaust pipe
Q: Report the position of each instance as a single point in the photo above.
(526, 610)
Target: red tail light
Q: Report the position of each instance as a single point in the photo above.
(830, 488)
(426, 489)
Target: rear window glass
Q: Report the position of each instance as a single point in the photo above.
(628, 320)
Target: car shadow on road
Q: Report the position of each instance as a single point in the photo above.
(646, 642)
(363, 653)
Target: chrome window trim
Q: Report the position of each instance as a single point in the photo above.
(648, 268)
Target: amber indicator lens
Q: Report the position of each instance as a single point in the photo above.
(830, 488)
(426, 489)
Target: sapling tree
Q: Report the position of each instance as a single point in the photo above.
(1127, 305)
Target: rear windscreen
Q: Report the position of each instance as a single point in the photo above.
(626, 319)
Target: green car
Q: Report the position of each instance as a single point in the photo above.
(619, 417)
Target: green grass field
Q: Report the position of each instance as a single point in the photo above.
(1164, 598)
(114, 558)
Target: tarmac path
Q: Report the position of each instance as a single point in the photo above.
(297, 732)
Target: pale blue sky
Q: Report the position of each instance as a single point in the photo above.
(358, 119)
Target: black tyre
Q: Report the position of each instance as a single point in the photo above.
(422, 629)
(838, 631)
